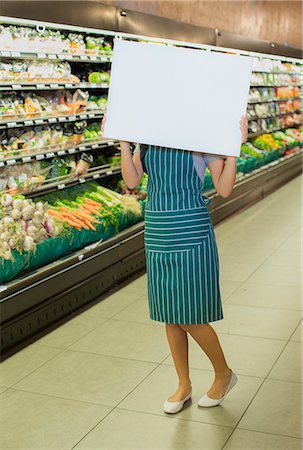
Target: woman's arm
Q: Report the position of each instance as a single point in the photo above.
(131, 166)
(224, 173)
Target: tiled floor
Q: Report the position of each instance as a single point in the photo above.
(100, 380)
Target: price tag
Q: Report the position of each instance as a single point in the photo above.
(40, 86)
(61, 186)
(16, 54)
(5, 53)
(104, 85)
(41, 55)
(72, 118)
(50, 155)
(1, 164)
(11, 162)
(62, 56)
(39, 121)
(28, 122)
(82, 84)
(93, 58)
(97, 175)
(38, 157)
(61, 152)
(11, 124)
(62, 119)
(83, 116)
(71, 150)
(52, 56)
(109, 172)
(52, 120)
(104, 59)
(82, 180)
(109, 143)
(83, 57)
(16, 86)
(95, 145)
(26, 159)
(91, 115)
(81, 148)
(54, 85)
(68, 85)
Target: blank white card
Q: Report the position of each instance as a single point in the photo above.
(177, 97)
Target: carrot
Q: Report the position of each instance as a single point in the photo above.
(92, 210)
(87, 216)
(90, 225)
(92, 202)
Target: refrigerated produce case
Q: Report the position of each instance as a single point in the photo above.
(60, 181)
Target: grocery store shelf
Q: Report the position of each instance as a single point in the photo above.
(46, 86)
(40, 120)
(67, 181)
(274, 115)
(258, 133)
(275, 85)
(277, 73)
(34, 304)
(253, 102)
(56, 56)
(51, 152)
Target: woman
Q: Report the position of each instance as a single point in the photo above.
(181, 255)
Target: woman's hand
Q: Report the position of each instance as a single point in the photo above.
(103, 123)
(244, 127)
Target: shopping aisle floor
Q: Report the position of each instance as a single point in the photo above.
(99, 381)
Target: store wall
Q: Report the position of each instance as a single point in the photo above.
(276, 21)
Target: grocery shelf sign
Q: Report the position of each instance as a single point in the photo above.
(177, 97)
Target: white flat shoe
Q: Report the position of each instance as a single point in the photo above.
(174, 407)
(207, 401)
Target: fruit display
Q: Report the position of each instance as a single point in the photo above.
(260, 110)
(25, 39)
(24, 224)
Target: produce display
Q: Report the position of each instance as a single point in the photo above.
(260, 110)
(25, 39)
(274, 123)
(21, 71)
(35, 232)
(277, 93)
(23, 224)
(58, 136)
(271, 79)
(274, 65)
(29, 105)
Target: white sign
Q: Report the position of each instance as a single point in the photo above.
(177, 97)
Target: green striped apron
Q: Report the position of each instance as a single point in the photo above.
(181, 252)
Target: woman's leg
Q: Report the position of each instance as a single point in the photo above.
(178, 343)
(208, 340)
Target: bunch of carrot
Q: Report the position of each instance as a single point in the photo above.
(79, 215)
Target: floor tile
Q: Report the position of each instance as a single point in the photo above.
(267, 296)
(125, 339)
(289, 258)
(298, 334)
(137, 311)
(138, 286)
(38, 421)
(70, 332)
(259, 322)
(236, 271)
(24, 362)
(253, 440)
(279, 275)
(228, 287)
(294, 242)
(275, 409)
(255, 256)
(87, 377)
(111, 305)
(137, 431)
(252, 356)
(3, 389)
(150, 394)
(289, 365)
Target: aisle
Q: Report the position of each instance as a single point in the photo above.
(99, 381)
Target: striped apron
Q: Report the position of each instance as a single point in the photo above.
(181, 252)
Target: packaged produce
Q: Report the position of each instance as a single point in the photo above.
(99, 77)
(84, 164)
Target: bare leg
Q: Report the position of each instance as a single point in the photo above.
(208, 340)
(178, 343)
